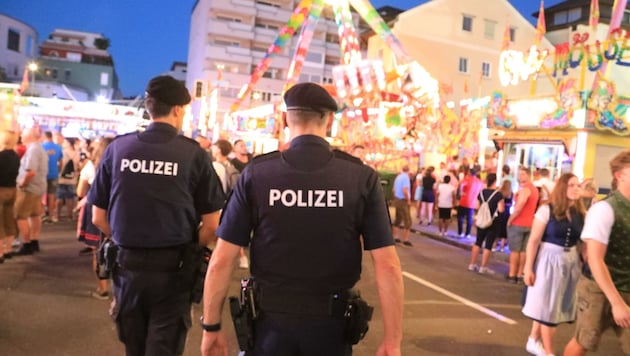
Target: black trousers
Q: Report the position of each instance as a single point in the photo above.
(289, 335)
(152, 302)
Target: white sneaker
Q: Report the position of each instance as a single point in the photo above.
(535, 347)
(472, 268)
(486, 270)
(461, 236)
(469, 237)
(243, 262)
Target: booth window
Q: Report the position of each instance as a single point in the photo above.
(13, 40)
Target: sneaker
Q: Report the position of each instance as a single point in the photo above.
(461, 236)
(99, 295)
(54, 219)
(25, 249)
(8, 255)
(535, 347)
(407, 243)
(486, 270)
(35, 245)
(472, 268)
(243, 262)
(469, 237)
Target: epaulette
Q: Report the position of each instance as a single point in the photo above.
(125, 135)
(186, 138)
(266, 156)
(346, 156)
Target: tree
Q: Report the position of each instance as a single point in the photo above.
(102, 43)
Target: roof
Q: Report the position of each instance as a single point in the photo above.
(572, 4)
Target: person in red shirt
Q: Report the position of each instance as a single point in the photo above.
(469, 189)
(520, 223)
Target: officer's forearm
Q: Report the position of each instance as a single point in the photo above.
(390, 290)
(218, 279)
(208, 229)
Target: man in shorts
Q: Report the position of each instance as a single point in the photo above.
(604, 288)
(401, 202)
(31, 182)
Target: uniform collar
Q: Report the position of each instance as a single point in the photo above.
(163, 127)
(304, 140)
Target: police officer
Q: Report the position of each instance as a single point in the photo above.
(307, 207)
(150, 192)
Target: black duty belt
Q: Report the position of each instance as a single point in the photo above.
(167, 259)
(319, 305)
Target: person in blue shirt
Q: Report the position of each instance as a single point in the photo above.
(401, 202)
(303, 212)
(150, 193)
(55, 156)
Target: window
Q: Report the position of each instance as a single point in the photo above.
(267, 26)
(314, 57)
(332, 38)
(316, 78)
(227, 43)
(574, 14)
(488, 30)
(327, 80)
(54, 73)
(463, 65)
(29, 46)
(104, 78)
(567, 16)
(485, 69)
(226, 18)
(467, 22)
(67, 74)
(13, 40)
(512, 34)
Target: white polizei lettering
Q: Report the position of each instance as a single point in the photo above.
(331, 198)
(135, 165)
(168, 168)
(124, 163)
(310, 198)
(301, 203)
(340, 198)
(274, 196)
(149, 167)
(158, 167)
(144, 168)
(319, 203)
(288, 194)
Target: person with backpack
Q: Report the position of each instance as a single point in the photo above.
(68, 179)
(489, 204)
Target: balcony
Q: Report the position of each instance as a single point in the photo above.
(271, 13)
(228, 54)
(264, 35)
(279, 61)
(240, 7)
(232, 29)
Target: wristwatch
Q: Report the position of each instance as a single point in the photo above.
(209, 327)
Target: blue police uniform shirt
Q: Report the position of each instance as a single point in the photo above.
(307, 208)
(155, 185)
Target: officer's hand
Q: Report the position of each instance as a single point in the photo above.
(214, 344)
(621, 314)
(388, 349)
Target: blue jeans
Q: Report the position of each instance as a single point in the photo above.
(462, 213)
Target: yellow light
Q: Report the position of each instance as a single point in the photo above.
(33, 67)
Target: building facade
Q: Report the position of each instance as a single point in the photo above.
(79, 59)
(178, 71)
(229, 38)
(459, 42)
(18, 46)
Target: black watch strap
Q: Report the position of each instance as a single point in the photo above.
(209, 327)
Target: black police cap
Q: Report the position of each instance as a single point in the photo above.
(309, 97)
(168, 90)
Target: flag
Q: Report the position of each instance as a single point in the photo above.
(541, 27)
(24, 83)
(594, 16)
(506, 37)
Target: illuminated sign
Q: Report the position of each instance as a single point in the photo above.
(573, 55)
(515, 65)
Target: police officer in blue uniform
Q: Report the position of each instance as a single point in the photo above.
(151, 192)
(306, 209)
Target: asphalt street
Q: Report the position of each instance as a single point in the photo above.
(46, 307)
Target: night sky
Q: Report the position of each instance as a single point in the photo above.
(146, 35)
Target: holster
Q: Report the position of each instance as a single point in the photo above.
(201, 259)
(244, 311)
(358, 315)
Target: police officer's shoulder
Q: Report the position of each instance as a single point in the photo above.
(266, 157)
(346, 156)
(128, 134)
(188, 140)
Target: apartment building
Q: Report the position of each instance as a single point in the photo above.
(18, 46)
(459, 43)
(81, 60)
(229, 38)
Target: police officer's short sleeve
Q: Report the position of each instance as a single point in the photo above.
(237, 218)
(376, 228)
(99, 192)
(208, 195)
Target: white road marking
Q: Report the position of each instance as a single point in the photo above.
(460, 299)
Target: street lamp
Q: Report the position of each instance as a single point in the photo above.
(33, 67)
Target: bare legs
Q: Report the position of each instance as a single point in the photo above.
(574, 348)
(427, 213)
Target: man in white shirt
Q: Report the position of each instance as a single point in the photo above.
(445, 198)
(545, 184)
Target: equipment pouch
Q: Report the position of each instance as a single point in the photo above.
(106, 258)
(358, 315)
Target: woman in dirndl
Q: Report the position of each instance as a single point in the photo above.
(88, 232)
(552, 264)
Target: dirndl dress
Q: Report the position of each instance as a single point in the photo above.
(88, 232)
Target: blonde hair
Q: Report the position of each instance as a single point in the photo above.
(620, 161)
(101, 145)
(8, 139)
(506, 188)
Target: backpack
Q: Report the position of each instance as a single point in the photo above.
(484, 216)
(231, 177)
(68, 170)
